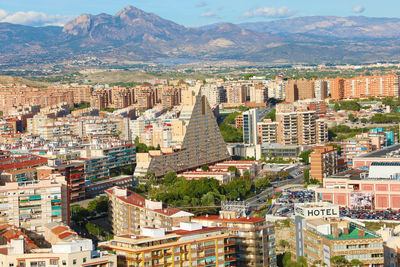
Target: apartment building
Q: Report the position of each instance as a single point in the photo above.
(239, 121)
(277, 89)
(74, 173)
(299, 89)
(267, 131)
(321, 128)
(324, 162)
(32, 204)
(130, 212)
(255, 237)
(236, 93)
(250, 119)
(196, 137)
(189, 245)
(258, 93)
(286, 117)
(321, 89)
(215, 94)
(24, 96)
(361, 144)
(365, 86)
(19, 251)
(298, 126)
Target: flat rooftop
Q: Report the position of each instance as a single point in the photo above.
(352, 174)
(382, 153)
(353, 234)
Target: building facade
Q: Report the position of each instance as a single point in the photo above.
(129, 213)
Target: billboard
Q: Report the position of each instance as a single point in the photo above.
(316, 210)
(359, 200)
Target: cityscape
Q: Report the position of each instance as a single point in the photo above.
(269, 137)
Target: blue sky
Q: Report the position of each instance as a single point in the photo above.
(192, 12)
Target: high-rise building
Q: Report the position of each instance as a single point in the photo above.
(236, 93)
(250, 119)
(255, 237)
(299, 89)
(215, 94)
(267, 131)
(297, 125)
(337, 88)
(324, 162)
(321, 127)
(321, 89)
(201, 142)
(130, 213)
(187, 245)
(258, 93)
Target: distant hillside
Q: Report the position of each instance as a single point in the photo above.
(132, 34)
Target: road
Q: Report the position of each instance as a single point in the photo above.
(259, 200)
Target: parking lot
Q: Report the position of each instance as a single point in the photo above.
(284, 205)
(371, 214)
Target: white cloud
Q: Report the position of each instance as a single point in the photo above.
(270, 12)
(359, 9)
(33, 18)
(210, 14)
(201, 4)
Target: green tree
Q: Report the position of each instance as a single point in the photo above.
(306, 176)
(305, 156)
(98, 205)
(351, 117)
(205, 168)
(262, 184)
(271, 115)
(169, 178)
(234, 169)
(336, 107)
(95, 230)
(339, 261)
(356, 262)
(79, 214)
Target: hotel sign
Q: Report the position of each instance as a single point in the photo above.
(316, 211)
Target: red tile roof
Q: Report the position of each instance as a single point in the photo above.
(217, 218)
(137, 200)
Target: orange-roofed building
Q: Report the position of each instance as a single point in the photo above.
(255, 236)
(129, 212)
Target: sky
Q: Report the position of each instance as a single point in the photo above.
(192, 13)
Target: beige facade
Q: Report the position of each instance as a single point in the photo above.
(267, 131)
(33, 204)
(129, 213)
(324, 162)
(255, 236)
(188, 245)
(75, 253)
(323, 239)
(299, 126)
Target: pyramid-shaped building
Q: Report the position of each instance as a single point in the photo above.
(201, 142)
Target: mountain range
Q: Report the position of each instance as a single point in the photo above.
(132, 34)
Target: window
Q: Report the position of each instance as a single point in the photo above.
(64, 263)
(74, 261)
(84, 259)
